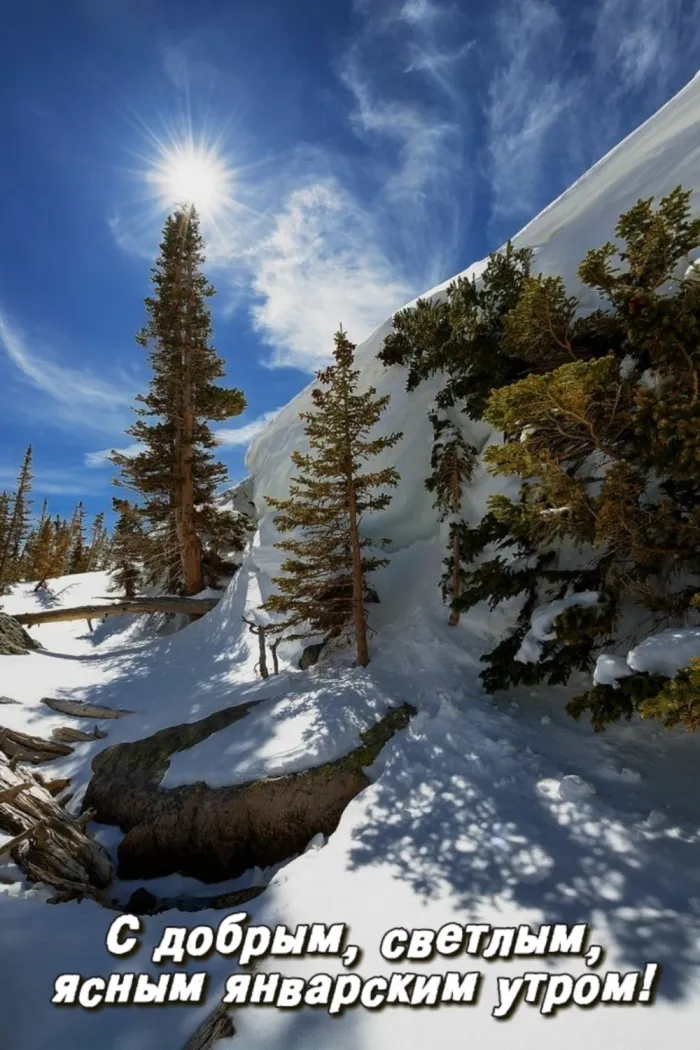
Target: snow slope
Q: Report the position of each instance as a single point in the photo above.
(497, 811)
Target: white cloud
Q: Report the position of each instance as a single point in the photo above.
(53, 481)
(74, 394)
(301, 243)
(564, 92)
(225, 436)
(319, 268)
(527, 100)
(638, 39)
(101, 457)
(244, 434)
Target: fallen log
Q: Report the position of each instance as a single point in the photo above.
(217, 1026)
(80, 709)
(134, 607)
(76, 736)
(48, 843)
(32, 749)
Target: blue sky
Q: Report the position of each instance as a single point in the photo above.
(366, 150)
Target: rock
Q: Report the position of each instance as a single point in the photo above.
(14, 640)
(215, 834)
(142, 902)
(310, 656)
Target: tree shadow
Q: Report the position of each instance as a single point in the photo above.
(456, 807)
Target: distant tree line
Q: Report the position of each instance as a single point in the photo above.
(42, 547)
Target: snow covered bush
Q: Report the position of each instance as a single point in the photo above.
(600, 416)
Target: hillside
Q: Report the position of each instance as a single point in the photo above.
(496, 811)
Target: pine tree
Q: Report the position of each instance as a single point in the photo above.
(98, 545)
(462, 339)
(78, 557)
(62, 543)
(176, 473)
(30, 545)
(605, 443)
(17, 524)
(4, 523)
(127, 549)
(43, 553)
(452, 462)
(324, 588)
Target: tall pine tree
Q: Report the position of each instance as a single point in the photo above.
(17, 525)
(127, 550)
(176, 474)
(324, 588)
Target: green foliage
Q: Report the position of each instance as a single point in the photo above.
(129, 548)
(462, 337)
(671, 701)
(175, 474)
(603, 435)
(325, 579)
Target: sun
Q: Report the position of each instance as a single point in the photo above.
(194, 175)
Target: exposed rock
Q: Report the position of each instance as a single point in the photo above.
(14, 640)
(310, 656)
(215, 834)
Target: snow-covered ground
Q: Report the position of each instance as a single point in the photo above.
(497, 811)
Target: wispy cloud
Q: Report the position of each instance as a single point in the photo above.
(638, 39)
(69, 393)
(320, 267)
(563, 91)
(243, 435)
(307, 249)
(225, 436)
(527, 101)
(54, 481)
(101, 458)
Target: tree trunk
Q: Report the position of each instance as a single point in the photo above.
(264, 673)
(358, 604)
(133, 607)
(190, 545)
(275, 661)
(454, 613)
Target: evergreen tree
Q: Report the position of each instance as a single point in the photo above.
(127, 549)
(98, 546)
(452, 462)
(17, 524)
(43, 552)
(30, 545)
(605, 444)
(62, 543)
(324, 588)
(176, 474)
(462, 339)
(78, 557)
(4, 523)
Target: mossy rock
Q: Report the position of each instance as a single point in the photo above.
(215, 834)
